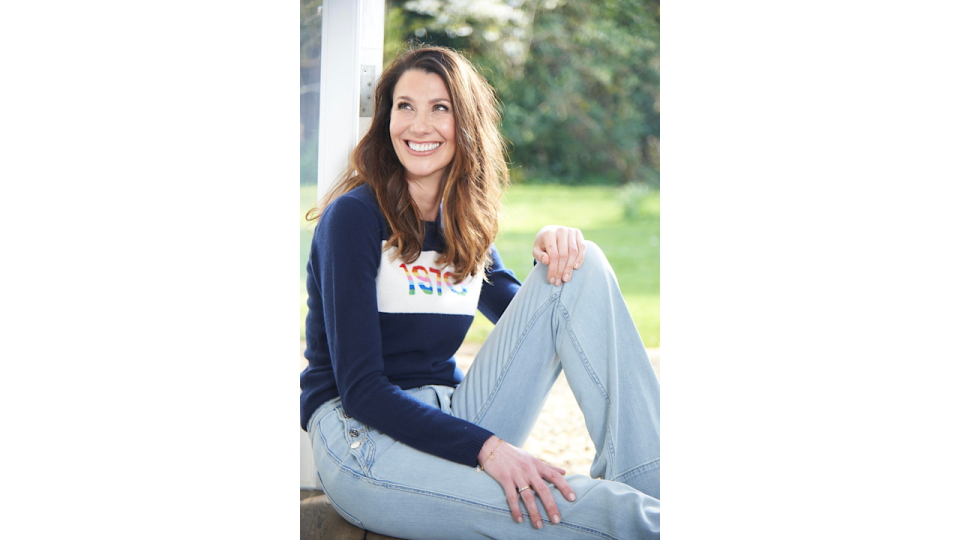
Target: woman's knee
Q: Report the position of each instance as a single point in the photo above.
(594, 260)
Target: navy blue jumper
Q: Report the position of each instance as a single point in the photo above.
(377, 326)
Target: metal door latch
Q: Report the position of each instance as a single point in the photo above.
(368, 75)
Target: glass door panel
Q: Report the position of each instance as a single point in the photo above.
(310, 28)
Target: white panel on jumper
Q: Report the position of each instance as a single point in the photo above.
(424, 287)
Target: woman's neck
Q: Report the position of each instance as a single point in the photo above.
(426, 195)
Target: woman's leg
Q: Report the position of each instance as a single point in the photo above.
(388, 487)
(584, 328)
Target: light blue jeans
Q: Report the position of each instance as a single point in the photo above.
(582, 327)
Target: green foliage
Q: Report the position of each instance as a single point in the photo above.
(310, 23)
(579, 80)
(310, 27)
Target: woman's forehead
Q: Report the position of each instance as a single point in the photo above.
(416, 85)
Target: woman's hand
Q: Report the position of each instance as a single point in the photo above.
(561, 249)
(514, 469)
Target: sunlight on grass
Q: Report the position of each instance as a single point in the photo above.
(632, 247)
(479, 330)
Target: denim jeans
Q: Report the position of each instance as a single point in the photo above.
(582, 327)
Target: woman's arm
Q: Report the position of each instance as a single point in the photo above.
(499, 288)
(345, 259)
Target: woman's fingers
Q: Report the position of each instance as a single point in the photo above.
(545, 251)
(554, 475)
(543, 490)
(552, 242)
(556, 478)
(573, 254)
(563, 251)
(582, 246)
(530, 501)
(550, 246)
(513, 500)
(540, 255)
(515, 469)
(559, 470)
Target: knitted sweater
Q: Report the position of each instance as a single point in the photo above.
(377, 327)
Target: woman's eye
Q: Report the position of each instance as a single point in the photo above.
(442, 108)
(403, 105)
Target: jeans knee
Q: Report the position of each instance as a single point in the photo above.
(594, 260)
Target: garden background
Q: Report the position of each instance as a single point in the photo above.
(579, 81)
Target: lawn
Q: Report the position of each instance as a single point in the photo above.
(632, 246)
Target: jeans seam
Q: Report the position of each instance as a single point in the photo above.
(497, 509)
(638, 470)
(342, 468)
(581, 354)
(611, 444)
(389, 485)
(513, 355)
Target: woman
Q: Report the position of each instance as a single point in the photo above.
(402, 257)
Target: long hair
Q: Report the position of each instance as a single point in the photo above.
(470, 194)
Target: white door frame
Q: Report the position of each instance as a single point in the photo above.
(351, 37)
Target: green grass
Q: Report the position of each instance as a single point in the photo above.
(631, 246)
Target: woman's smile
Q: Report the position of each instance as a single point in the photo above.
(423, 148)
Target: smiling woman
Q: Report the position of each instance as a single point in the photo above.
(401, 259)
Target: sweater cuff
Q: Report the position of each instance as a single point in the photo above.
(473, 442)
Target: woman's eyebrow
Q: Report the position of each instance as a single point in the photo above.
(434, 100)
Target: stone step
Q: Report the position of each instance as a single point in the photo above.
(319, 521)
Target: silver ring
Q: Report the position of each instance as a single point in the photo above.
(521, 489)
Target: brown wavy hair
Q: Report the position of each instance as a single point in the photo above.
(477, 174)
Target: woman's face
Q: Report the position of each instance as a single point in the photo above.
(422, 127)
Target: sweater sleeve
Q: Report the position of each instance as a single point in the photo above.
(499, 289)
(348, 246)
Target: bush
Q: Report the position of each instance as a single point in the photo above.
(631, 198)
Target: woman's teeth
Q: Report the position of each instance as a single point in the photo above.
(422, 147)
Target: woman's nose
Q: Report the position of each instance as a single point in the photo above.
(420, 124)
